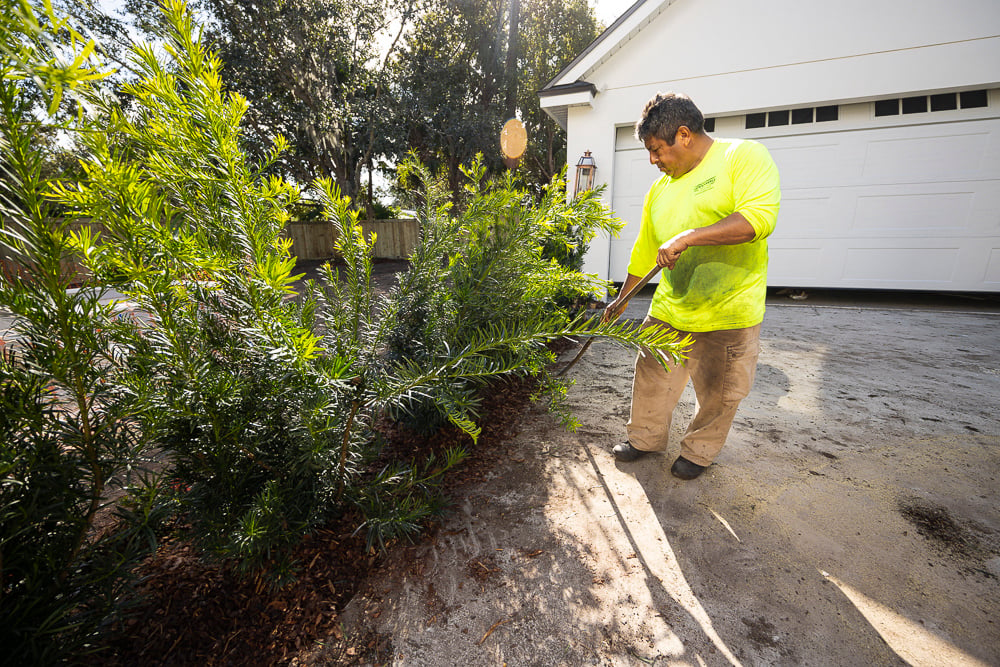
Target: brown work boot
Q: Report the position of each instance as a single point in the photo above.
(626, 452)
(685, 469)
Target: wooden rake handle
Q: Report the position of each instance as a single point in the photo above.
(625, 298)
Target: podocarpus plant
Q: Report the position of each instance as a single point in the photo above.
(423, 350)
(67, 439)
(485, 277)
(262, 424)
(247, 411)
(262, 405)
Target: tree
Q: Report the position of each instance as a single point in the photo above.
(468, 65)
(553, 32)
(109, 34)
(315, 72)
(449, 85)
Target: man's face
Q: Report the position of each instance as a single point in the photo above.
(671, 160)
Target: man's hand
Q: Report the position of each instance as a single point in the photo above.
(612, 312)
(671, 251)
(615, 309)
(731, 230)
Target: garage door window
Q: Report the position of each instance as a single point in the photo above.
(781, 117)
(915, 104)
(973, 99)
(827, 113)
(887, 108)
(945, 102)
(970, 99)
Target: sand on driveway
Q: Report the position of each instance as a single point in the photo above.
(852, 518)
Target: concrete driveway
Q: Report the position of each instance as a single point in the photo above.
(852, 518)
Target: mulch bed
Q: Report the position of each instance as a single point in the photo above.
(190, 612)
(195, 613)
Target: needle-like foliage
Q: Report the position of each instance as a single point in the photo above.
(488, 289)
(248, 412)
(259, 400)
(68, 437)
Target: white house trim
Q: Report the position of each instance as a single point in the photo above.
(601, 49)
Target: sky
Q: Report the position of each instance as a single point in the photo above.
(609, 10)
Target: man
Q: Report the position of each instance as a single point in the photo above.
(705, 221)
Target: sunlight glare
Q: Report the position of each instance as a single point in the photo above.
(911, 642)
(726, 524)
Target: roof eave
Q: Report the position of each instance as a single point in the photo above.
(557, 100)
(603, 46)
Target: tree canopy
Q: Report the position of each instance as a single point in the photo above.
(553, 32)
(315, 71)
(353, 84)
(463, 72)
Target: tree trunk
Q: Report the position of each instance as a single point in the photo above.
(369, 205)
(512, 52)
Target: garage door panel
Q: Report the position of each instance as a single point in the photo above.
(798, 265)
(834, 158)
(985, 212)
(907, 265)
(920, 154)
(922, 158)
(901, 207)
(881, 263)
(970, 209)
(992, 277)
(634, 175)
(932, 213)
(811, 165)
(809, 213)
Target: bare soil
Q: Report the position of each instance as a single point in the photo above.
(851, 519)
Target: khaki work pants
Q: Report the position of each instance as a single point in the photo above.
(720, 364)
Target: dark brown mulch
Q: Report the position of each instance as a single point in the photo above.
(193, 613)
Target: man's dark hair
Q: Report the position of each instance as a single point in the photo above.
(664, 115)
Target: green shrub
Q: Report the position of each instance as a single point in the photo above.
(260, 403)
(248, 412)
(500, 272)
(69, 448)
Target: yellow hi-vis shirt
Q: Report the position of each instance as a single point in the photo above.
(711, 288)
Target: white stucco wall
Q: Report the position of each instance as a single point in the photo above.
(735, 57)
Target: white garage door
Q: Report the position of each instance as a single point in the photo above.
(904, 207)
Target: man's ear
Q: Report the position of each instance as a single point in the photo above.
(684, 135)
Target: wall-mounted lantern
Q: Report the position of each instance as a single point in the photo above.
(585, 170)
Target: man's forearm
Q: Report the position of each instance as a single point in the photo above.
(630, 282)
(731, 230)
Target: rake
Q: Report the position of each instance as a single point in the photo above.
(615, 314)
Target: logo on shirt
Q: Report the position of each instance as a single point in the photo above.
(704, 186)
